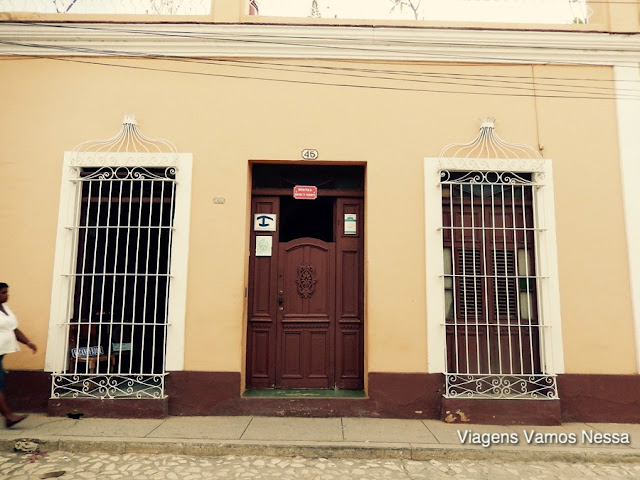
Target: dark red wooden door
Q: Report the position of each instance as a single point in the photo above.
(306, 319)
(306, 301)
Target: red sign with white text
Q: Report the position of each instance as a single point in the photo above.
(305, 192)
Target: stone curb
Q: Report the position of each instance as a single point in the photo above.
(326, 450)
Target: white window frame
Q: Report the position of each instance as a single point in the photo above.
(64, 260)
(627, 84)
(552, 361)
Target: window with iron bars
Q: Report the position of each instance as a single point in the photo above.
(117, 330)
(492, 325)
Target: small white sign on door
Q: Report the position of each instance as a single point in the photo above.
(350, 224)
(264, 222)
(263, 245)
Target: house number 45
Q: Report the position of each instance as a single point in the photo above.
(309, 154)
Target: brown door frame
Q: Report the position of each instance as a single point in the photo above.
(263, 349)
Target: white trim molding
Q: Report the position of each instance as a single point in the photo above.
(627, 84)
(317, 42)
(547, 256)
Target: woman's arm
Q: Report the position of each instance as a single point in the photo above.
(23, 339)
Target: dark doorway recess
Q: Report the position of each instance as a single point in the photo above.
(306, 218)
(325, 177)
(306, 299)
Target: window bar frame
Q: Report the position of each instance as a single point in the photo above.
(126, 274)
(475, 277)
(494, 276)
(92, 273)
(525, 242)
(135, 278)
(167, 284)
(454, 286)
(115, 276)
(484, 269)
(104, 273)
(539, 274)
(146, 274)
(81, 299)
(511, 274)
(516, 293)
(464, 286)
(157, 275)
(505, 275)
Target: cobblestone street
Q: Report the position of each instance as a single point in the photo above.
(64, 465)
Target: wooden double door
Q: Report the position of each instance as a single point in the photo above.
(305, 295)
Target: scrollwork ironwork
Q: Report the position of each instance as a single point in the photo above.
(130, 173)
(534, 387)
(306, 281)
(107, 386)
(490, 177)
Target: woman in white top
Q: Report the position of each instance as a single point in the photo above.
(10, 335)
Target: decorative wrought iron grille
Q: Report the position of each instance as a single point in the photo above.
(117, 332)
(492, 277)
(117, 274)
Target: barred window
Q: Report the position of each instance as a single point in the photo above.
(489, 240)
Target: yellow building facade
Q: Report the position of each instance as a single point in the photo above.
(131, 258)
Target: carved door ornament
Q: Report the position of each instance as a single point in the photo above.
(306, 281)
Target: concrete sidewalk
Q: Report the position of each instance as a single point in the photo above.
(328, 437)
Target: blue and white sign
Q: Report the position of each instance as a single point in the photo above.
(264, 222)
(83, 352)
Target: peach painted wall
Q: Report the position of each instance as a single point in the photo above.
(54, 105)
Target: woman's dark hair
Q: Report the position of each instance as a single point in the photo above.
(3, 285)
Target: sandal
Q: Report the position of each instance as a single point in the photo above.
(11, 423)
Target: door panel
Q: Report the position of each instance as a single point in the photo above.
(305, 303)
(306, 287)
(350, 296)
(261, 329)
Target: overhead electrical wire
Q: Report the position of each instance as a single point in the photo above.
(296, 41)
(315, 83)
(460, 78)
(518, 85)
(577, 94)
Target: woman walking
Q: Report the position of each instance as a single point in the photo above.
(10, 335)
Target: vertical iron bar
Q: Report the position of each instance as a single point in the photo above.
(169, 250)
(146, 274)
(506, 280)
(93, 273)
(83, 267)
(114, 284)
(80, 272)
(128, 226)
(157, 273)
(105, 256)
(454, 281)
(516, 292)
(138, 184)
(477, 341)
(485, 277)
(464, 280)
(494, 275)
(528, 273)
(73, 277)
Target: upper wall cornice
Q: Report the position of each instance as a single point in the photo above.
(318, 42)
